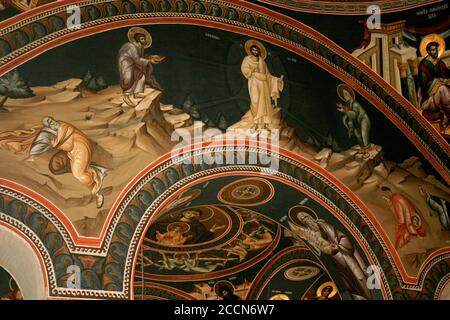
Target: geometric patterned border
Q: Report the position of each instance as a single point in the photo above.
(43, 29)
(266, 273)
(352, 7)
(442, 284)
(109, 273)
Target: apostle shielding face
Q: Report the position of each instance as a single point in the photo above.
(75, 150)
(74, 154)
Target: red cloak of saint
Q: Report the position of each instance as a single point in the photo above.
(409, 220)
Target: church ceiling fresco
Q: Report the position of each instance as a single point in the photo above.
(224, 150)
(177, 246)
(9, 289)
(350, 7)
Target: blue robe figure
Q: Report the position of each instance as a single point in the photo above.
(187, 169)
(4, 48)
(92, 13)
(146, 6)
(248, 19)
(439, 206)
(37, 31)
(181, 6)
(158, 186)
(55, 23)
(164, 6)
(215, 10)
(145, 199)
(232, 14)
(20, 39)
(110, 10)
(38, 223)
(128, 7)
(197, 8)
(53, 242)
(171, 175)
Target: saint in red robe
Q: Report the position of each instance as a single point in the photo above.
(409, 221)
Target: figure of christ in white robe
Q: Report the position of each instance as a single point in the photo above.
(262, 87)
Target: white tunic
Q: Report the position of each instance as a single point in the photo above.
(262, 86)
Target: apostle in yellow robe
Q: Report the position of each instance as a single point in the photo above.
(74, 155)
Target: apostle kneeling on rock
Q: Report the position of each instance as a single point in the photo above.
(135, 67)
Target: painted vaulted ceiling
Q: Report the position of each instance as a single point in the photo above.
(147, 151)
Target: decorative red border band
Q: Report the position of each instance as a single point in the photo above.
(442, 169)
(329, 7)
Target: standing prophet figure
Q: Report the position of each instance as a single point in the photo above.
(355, 118)
(262, 86)
(325, 238)
(135, 67)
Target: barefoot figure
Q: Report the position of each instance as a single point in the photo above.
(135, 68)
(74, 155)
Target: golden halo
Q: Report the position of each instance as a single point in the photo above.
(432, 38)
(13, 284)
(252, 42)
(419, 224)
(295, 210)
(183, 226)
(223, 283)
(148, 38)
(280, 296)
(341, 88)
(327, 284)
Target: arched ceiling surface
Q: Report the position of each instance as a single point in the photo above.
(351, 7)
(305, 42)
(149, 192)
(294, 36)
(26, 268)
(235, 218)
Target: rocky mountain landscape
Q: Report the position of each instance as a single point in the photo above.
(364, 172)
(129, 139)
(126, 141)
